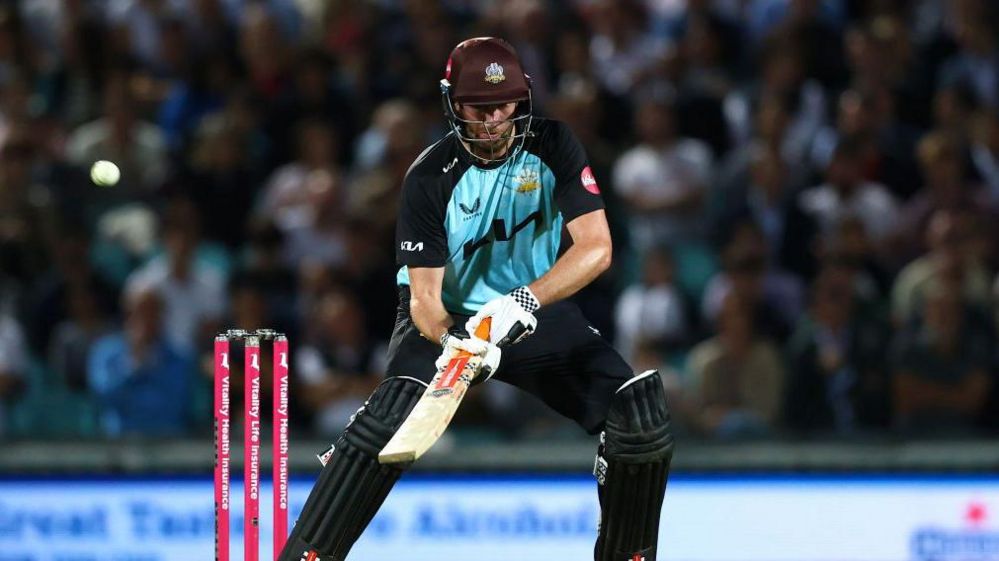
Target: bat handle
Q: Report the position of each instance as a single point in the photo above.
(482, 332)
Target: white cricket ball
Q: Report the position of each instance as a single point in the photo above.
(104, 173)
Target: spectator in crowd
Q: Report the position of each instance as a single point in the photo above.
(663, 180)
(78, 68)
(880, 53)
(845, 193)
(768, 198)
(772, 132)
(211, 26)
(995, 300)
(140, 24)
(866, 117)
(71, 275)
(16, 48)
(369, 274)
(140, 379)
(576, 80)
(583, 112)
(940, 367)
(952, 259)
(705, 67)
(736, 378)
(976, 64)
(87, 321)
(13, 360)
(24, 223)
(290, 125)
(850, 246)
(287, 198)
(264, 52)
(376, 144)
(527, 25)
(245, 114)
(338, 366)
(985, 153)
(784, 108)
(390, 146)
(15, 104)
(625, 56)
(953, 108)
(247, 307)
(314, 94)
(220, 178)
(190, 286)
(652, 312)
(945, 186)
(813, 28)
(263, 262)
(136, 146)
(775, 297)
(322, 238)
(837, 376)
(185, 101)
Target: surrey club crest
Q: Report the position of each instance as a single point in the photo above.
(494, 73)
(527, 181)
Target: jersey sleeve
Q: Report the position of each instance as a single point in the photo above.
(421, 240)
(576, 190)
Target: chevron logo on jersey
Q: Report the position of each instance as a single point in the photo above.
(472, 210)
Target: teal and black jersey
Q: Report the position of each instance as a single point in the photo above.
(493, 228)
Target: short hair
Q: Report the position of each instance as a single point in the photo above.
(849, 147)
(936, 146)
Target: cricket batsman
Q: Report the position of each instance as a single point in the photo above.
(480, 234)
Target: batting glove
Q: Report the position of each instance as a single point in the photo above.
(513, 317)
(457, 340)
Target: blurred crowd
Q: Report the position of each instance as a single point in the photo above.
(803, 196)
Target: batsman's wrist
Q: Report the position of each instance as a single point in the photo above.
(525, 298)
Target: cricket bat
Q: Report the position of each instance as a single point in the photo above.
(433, 412)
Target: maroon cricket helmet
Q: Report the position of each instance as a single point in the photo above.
(486, 70)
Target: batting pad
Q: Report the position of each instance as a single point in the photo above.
(353, 485)
(632, 467)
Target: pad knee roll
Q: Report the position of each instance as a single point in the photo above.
(632, 468)
(353, 485)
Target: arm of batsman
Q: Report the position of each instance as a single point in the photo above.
(512, 317)
(457, 340)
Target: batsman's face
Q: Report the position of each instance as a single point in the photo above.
(491, 125)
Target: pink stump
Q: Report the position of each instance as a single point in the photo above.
(221, 429)
(251, 450)
(280, 443)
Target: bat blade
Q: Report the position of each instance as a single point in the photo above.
(432, 414)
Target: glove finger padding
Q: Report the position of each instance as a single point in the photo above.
(490, 363)
(456, 341)
(512, 317)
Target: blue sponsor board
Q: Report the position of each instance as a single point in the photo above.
(733, 518)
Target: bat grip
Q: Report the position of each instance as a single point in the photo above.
(482, 332)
